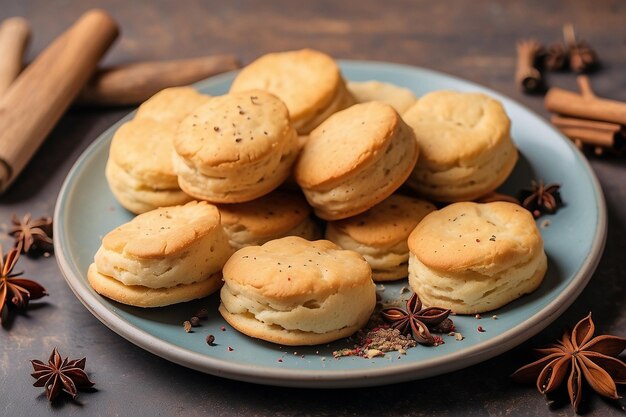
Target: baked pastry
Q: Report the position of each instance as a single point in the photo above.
(380, 234)
(399, 98)
(472, 257)
(270, 217)
(139, 170)
(293, 291)
(465, 142)
(171, 104)
(308, 81)
(165, 256)
(355, 159)
(235, 148)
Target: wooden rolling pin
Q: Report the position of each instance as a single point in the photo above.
(44, 90)
(131, 84)
(14, 38)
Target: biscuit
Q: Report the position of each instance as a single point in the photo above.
(465, 143)
(355, 159)
(308, 81)
(380, 234)
(139, 170)
(171, 104)
(399, 98)
(165, 256)
(235, 148)
(295, 292)
(270, 217)
(473, 258)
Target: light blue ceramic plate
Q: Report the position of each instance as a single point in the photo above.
(86, 210)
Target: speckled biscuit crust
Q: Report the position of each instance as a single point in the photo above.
(308, 81)
(270, 217)
(139, 170)
(171, 105)
(293, 291)
(399, 98)
(467, 150)
(473, 258)
(235, 148)
(380, 234)
(165, 248)
(355, 159)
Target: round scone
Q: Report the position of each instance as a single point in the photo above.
(139, 170)
(278, 214)
(171, 104)
(235, 148)
(355, 159)
(472, 257)
(293, 291)
(380, 234)
(308, 81)
(165, 256)
(399, 98)
(465, 143)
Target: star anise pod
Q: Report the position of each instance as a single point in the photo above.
(59, 375)
(583, 357)
(416, 320)
(32, 234)
(14, 291)
(556, 57)
(582, 58)
(541, 198)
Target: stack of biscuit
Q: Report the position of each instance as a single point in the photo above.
(363, 142)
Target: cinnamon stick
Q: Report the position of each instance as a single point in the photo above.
(14, 38)
(586, 105)
(132, 84)
(43, 91)
(590, 136)
(527, 77)
(572, 122)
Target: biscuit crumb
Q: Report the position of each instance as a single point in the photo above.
(494, 317)
(545, 223)
(187, 326)
(372, 353)
(458, 336)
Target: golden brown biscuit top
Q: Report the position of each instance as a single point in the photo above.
(171, 104)
(306, 80)
(476, 237)
(163, 232)
(293, 267)
(345, 142)
(387, 223)
(144, 147)
(450, 126)
(272, 214)
(234, 129)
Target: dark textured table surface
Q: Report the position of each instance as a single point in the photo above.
(474, 40)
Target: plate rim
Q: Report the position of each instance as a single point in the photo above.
(333, 378)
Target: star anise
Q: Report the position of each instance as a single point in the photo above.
(33, 234)
(556, 57)
(541, 198)
(582, 58)
(583, 356)
(59, 375)
(14, 291)
(417, 321)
